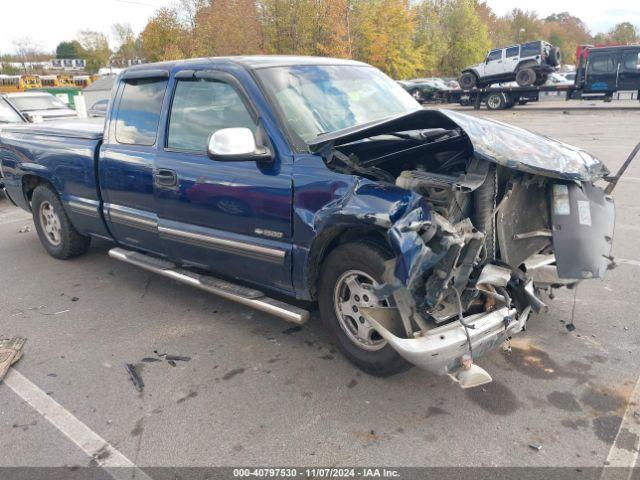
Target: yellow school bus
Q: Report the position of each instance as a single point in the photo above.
(19, 83)
(57, 81)
(82, 81)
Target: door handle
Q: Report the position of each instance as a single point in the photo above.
(165, 178)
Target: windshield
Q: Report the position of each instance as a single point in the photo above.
(321, 99)
(39, 102)
(8, 114)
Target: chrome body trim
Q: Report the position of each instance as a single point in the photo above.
(131, 220)
(263, 303)
(83, 208)
(244, 249)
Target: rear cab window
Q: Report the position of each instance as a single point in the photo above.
(139, 111)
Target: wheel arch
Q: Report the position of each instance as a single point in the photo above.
(331, 238)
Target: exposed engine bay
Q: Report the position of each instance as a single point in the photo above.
(493, 222)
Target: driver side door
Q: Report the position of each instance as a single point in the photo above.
(230, 217)
(494, 63)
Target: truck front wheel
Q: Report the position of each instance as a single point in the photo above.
(57, 235)
(342, 293)
(525, 77)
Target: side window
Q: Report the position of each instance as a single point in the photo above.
(601, 63)
(139, 111)
(530, 49)
(631, 61)
(200, 107)
(494, 55)
(513, 52)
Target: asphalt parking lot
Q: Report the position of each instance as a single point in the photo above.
(257, 392)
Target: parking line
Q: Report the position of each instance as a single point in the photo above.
(623, 456)
(105, 455)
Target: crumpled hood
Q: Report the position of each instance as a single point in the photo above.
(494, 141)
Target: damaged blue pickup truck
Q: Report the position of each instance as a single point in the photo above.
(426, 237)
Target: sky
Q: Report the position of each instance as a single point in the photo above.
(49, 22)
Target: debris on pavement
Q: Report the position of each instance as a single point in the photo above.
(135, 377)
(171, 362)
(10, 352)
(177, 358)
(290, 330)
(25, 229)
(570, 327)
(535, 446)
(150, 360)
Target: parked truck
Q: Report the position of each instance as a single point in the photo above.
(426, 237)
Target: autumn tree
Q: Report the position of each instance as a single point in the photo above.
(498, 28)
(95, 49)
(128, 44)
(163, 38)
(624, 33)
(524, 26)
(566, 32)
(383, 35)
(227, 27)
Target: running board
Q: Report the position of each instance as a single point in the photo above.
(236, 293)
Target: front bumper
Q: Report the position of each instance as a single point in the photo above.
(441, 349)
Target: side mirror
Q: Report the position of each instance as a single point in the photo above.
(236, 145)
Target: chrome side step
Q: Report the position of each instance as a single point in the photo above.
(236, 293)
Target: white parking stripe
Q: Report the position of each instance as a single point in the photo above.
(623, 456)
(89, 441)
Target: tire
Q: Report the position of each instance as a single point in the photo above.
(525, 77)
(57, 235)
(496, 101)
(541, 79)
(417, 95)
(555, 57)
(468, 80)
(342, 264)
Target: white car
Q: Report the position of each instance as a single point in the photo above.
(528, 64)
(40, 105)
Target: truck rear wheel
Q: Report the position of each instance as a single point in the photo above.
(467, 80)
(525, 77)
(57, 235)
(496, 101)
(341, 293)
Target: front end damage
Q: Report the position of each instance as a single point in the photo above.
(487, 219)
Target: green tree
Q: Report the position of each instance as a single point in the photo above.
(383, 35)
(95, 49)
(467, 37)
(431, 37)
(71, 49)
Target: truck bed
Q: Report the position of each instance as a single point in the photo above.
(65, 155)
